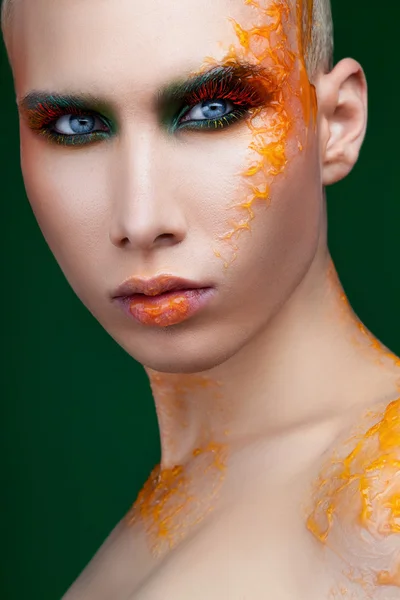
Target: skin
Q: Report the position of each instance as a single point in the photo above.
(261, 395)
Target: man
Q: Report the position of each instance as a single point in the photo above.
(175, 155)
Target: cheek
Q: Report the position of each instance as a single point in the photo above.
(66, 192)
(275, 254)
(207, 168)
(283, 226)
(206, 175)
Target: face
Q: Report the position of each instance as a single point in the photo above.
(179, 139)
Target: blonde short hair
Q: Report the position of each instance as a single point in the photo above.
(317, 32)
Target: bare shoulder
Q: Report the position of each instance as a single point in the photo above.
(244, 549)
(116, 569)
(356, 504)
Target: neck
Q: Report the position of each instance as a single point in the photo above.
(314, 361)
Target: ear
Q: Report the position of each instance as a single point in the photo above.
(342, 108)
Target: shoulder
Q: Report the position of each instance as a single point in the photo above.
(117, 568)
(356, 502)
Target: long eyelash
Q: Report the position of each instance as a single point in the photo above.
(218, 123)
(44, 116)
(244, 91)
(225, 86)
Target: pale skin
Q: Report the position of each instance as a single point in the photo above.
(258, 392)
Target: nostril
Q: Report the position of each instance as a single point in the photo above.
(164, 236)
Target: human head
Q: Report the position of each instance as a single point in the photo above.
(317, 32)
(141, 202)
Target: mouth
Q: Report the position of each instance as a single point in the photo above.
(155, 286)
(162, 301)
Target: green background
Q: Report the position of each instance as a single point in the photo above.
(77, 425)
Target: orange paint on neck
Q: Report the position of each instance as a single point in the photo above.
(177, 498)
(366, 341)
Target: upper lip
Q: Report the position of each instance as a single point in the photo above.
(154, 286)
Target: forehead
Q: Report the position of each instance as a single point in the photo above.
(98, 43)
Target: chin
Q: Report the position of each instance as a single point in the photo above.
(196, 354)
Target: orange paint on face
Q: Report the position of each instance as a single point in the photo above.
(163, 312)
(168, 308)
(267, 44)
(362, 491)
(307, 92)
(169, 506)
(307, 31)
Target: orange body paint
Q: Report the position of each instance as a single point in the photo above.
(356, 511)
(357, 503)
(161, 310)
(175, 499)
(169, 505)
(361, 336)
(267, 44)
(169, 308)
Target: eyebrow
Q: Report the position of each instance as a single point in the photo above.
(34, 99)
(174, 91)
(186, 86)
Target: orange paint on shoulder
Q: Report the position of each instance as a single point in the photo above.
(361, 493)
(390, 577)
(169, 505)
(376, 453)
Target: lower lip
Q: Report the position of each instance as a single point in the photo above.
(165, 309)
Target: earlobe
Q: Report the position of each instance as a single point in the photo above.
(342, 99)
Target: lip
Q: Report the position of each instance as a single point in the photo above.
(162, 301)
(155, 286)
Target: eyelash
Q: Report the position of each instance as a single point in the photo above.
(50, 114)
(240, 93)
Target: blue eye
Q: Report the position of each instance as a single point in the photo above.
(208, 110)
(78, 124)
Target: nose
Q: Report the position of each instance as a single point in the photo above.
(145, 210)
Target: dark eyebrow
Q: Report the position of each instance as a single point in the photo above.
(186, 86)
(175, 91)
(34, 99)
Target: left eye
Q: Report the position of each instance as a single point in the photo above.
(208, 110)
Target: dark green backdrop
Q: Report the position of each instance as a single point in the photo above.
(78, 429)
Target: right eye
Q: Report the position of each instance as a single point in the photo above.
(78, 125)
